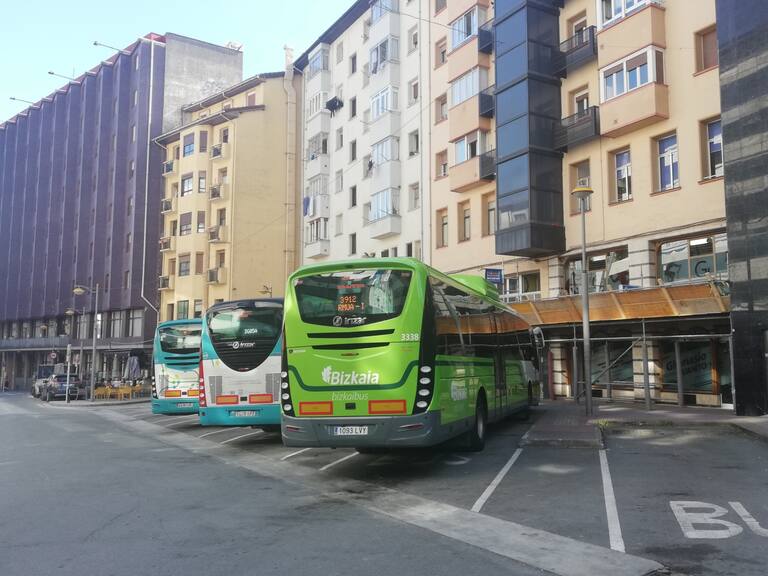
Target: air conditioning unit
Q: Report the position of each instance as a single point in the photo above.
(583, 182)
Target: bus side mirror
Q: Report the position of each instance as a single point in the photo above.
(538, 338)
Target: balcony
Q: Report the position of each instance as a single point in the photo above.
(219, 191)
(576, 51)
(465, 118)
(388, 124)
(635, 109)
(168, 168)
(466, 57)
(474, 172)
(578, 128)
(637, 30)
(317, 249)
(485, 38)
(385, 175)
(168, 244)
(168, 205)
(165, 282)
(317, 206)
(218, 234)
(217, 275)
(388, 225)
(220, 151)
(386, 74)
(488, 102)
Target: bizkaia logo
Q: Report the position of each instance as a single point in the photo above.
(341, 378)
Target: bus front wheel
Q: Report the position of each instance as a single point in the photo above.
(477, 434)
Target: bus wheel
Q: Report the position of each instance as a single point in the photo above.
(477, 434)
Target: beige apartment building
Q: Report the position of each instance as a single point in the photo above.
(229, 215)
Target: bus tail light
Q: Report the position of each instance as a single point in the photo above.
(315, 408)
(285, 387)
(425, 388)
(193, 392)
(386, 407)
(154, 388)
(201, 384)
(260, 399)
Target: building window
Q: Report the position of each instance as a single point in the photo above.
(441, 108)
(317, 230)
(133, 133)
(524, 286)
(338, 181)
(489, 208)
(383, 102)
(442, 228)
(172, 267)
(607, 271)
(470, 146)
(367, 166)
(201, 221)
(384, 203)
(352, 107)
(203, 141)
(691, 258)
(189, 145)
(317, 63)
(352, 244)
(614, 10)
(199, 263)
(131, 169)
(221, 258)
(385, 151)
(413, 143)
(580, 179)
(623, 176)
(184, 262)
(353, 150)
(465, 27)
(250, 99)
(186, 185)
(706, 49)
(339, 52)
(135, 98)
(413, 92)
(339, 138)
(135, 323)
(224, 133)
(465, 222)
(385, 51)
(468, 85)
(441, 164)
(413, 39)
(201, 182)
(379, 9)
(440, 5)
(174, 227)
(409, 249)
(126, 279)
(632, 73)
(129, 206)
(667, 165)
(353, 64)
(713, 135)
(317, 145)
(221, 217)
(117, 320)
(414, 196)
(353, 196)
(441, 52)
(182, 310)
(385, 253)
(198, 313)
(185, 224)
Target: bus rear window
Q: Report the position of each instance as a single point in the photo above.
(352, 298)
(245, 324)
(180, 339)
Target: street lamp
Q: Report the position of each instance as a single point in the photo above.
(21, 100)
(70, 78)
(72, 312)
(79, 291)
(583, 194)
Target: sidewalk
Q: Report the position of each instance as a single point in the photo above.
(97, 403)
(563, 423)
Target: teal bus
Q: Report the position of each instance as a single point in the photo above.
(391, 353)
(176, 357)
(240, 365)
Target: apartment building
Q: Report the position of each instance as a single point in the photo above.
(80, 189)
(229, 215)
(364, 171)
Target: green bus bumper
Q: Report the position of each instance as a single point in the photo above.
(383, 431)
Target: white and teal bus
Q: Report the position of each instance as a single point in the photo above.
(240, 366)
(176, 357)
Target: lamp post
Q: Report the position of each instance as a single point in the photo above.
(79, 291)
(72, 312)
(583, 194)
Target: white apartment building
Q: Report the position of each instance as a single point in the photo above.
(364, 170)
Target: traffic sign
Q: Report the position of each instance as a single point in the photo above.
(494, 275)
(52, 356)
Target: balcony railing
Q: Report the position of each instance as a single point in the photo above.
(576, 51)
(488, 102)
(167, 243)
(217, 234)
(578, 128)
(488, 165)
(166, 205)
(168, 168)
(485, 38)
(217, 191)
(218, 151)
(216, 275)
(165, 282)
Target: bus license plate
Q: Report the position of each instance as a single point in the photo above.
(184, 404)
(350, 430)
(243, 413)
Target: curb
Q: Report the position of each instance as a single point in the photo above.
(85, 405)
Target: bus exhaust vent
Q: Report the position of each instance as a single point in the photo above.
(273, 385)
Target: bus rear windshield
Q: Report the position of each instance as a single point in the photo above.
(180, 339)
(244, 336)
(352, 298)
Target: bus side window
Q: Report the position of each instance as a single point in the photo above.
(447, 325)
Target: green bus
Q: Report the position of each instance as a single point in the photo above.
(387, 353)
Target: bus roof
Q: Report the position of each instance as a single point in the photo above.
(243, 302)
(188, 321)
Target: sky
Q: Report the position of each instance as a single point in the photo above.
(58, 35)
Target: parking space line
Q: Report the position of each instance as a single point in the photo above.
(611, 510)
(339, 461)
(478, 505)
(177, 423)
(242, 436)
(295, 453)
(214, 432)
(162, 420)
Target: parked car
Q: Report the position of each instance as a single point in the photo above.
(42, 374)
(56, 387)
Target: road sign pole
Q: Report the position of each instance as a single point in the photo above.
(69, 358)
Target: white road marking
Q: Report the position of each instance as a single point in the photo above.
(292, 454)
(525, 436)
(215, 432)
(162, 420)
(177, 423)
(478, 505)
(691, 513)
(6, 463)
(611, 510)
(339, 461)
(748, 519)
(242, 436)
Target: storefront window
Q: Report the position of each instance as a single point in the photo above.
(618, 356)
(694, 258)
(607, 271)
(696, 360)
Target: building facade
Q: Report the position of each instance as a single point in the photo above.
(80, 190)
(364, 173)
(229, 209)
